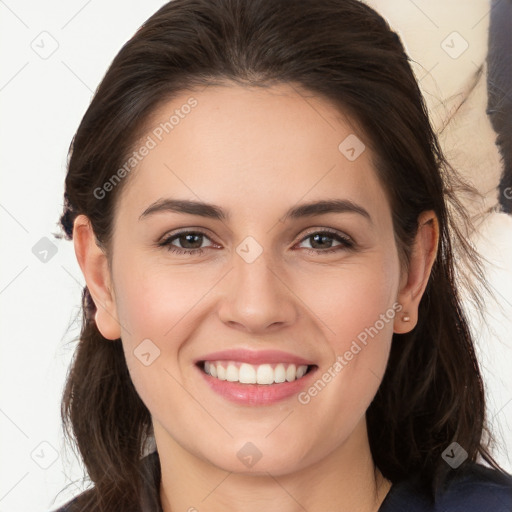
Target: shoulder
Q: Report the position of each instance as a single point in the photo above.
(150, 473)
(472, 488)
(478, 488)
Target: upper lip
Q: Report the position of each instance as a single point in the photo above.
(255, 357)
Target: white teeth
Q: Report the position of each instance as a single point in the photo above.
(265, 374)
(254, 374)
(280, 373)
(291, 373)
(246, 374)
(232, 373)
(301, 371)
(221, 372)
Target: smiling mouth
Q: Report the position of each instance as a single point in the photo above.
(245, 373)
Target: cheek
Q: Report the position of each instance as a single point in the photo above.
(157, 308)
(356, 306)
(352, 296)
(152, 301)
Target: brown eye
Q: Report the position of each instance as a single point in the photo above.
(321, 242)
(190, 241)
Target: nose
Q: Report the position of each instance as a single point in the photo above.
(256, 296)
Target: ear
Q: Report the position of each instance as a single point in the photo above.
(94, 264)
(415, 280)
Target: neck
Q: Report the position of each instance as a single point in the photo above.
(345, 480)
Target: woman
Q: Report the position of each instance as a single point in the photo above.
(225, 136)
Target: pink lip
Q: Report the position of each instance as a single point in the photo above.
(255, 357)
(257, 394)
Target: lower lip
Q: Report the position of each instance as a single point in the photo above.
(257, 394)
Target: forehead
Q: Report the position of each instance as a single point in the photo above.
(254, 148)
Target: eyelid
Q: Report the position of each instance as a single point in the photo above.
(171, 234)
(331, 231)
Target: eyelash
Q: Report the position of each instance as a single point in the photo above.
(346, 242)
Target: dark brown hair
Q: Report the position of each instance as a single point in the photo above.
(432, 392)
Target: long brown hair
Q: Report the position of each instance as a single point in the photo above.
(432, 392)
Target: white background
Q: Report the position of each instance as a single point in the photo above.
(42, 101)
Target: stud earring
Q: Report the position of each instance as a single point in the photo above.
(406, 318)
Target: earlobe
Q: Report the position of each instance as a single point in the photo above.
(423, 255)
(94, 265)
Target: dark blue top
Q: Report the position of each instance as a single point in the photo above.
(469, 488)
(476, 488)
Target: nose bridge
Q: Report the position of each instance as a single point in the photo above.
(256, 283)
(255, 273)
(257, 296)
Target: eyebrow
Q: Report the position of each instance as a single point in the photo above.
(212, 211)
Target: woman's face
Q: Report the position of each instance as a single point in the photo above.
(269, 285)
